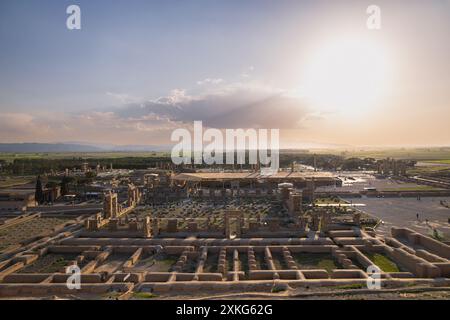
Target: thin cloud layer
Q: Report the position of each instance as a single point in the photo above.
(232, 106)
(151, 122)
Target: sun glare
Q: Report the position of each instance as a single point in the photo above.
(348, 76)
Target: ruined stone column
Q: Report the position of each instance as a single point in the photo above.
(288, 259)
(236, 265)
(110, 205)
(251, 259)
(269, 259)
(221, 265)
(202, 260)
(147, 227)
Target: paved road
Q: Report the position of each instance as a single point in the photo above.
(356, 182)
(402, 212)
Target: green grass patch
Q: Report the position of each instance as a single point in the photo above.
(315, 261)
(437, 153)
(426, 170)
(436, 234)
(446, 161)
(112, 295)
(278, 289)
(158, 263)
(168, 261)
(383, 262)
(50, 263)
(327, 264)
(144, 295)
(351, 286)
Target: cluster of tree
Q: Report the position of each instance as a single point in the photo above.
(353, 164)
(321, 161)
(39, 193)
(329, 161)
(3, 164)
(68, 184)
(28, 166)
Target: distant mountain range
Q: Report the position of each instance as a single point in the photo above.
(74, 147)
(89, 147)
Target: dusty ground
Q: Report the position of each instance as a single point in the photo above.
(402, 212)
(413, 293)
(409, 293)
(18, 233)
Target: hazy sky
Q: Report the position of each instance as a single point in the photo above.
(139, 69)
